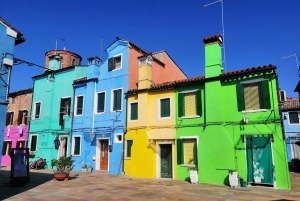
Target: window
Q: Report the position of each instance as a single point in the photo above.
(33, 143)
(37, 110)
(118, 138)
(79, 105)
(20, 144)
(128, 145)
(6, 148)
(65, 104)
(13, 100)
(9, 118)
(164, 105)
(73, 62)
(100, 102)
(293, 117)
(22, 117)
(187, 151)
(189, 104)
(253, 95)
(117, 100)
(114, 63)
(133, 111)
(76, 145)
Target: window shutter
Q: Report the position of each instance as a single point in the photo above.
(37, 110)
(134, 111)
(25, 117)
(77, 146)
(7, 118)
(240, 97)
(179, 151)
(33, 143)
(265, 94)
(111, 64)
(117, 100)
(79, 105)
(4, 148)
(198, 103)
(20, 117)
(68, 106)
(62, 106)
(129, 145)
(165, 107)
(180, 105)
(101, 98)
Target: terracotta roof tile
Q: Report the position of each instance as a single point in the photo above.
(290, 105)
(212, 39)
(80, 80)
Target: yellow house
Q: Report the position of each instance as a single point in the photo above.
(149, 150)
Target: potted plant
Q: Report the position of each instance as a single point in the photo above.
(193, 174)
(63, 167)
(233, 178)
(84, 168)
(90, 168)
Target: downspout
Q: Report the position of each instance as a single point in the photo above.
(31, 108)
(72, 120)
(125, 131)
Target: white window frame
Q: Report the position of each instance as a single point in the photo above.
(75, 106)
(6, 147)
(35, 109)
(197, 142)
(129, 112)
(159, 107)
(96, 102)
(288, 118)
(118, 55)
(36, 145)
(112, 100)
(73, 145)
(116, 139)
(125, 148)
(66, 97)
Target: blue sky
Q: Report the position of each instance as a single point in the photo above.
(256, 32)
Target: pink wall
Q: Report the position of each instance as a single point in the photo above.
(14, 136)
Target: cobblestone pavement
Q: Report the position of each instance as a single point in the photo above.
(102, 186)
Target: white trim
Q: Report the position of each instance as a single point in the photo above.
(121, 55)
(98, 145)
(158, 159)
(36, 144)
(75, 106)
(252, 81)
(73, 145)
(253, 111)
(129, 112)
(159, 99)
(116, 140)
(112, 100)
(288, 118)
(34, 110)
(96, 102)
(125, 148)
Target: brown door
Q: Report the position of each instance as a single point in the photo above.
(103, 154)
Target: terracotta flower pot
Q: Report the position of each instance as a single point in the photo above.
(60, 176)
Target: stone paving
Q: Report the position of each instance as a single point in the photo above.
(102, 186)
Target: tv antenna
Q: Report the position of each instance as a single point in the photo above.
(293, 55)
(223, 32)
(63, 39)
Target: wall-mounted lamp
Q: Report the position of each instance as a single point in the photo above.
(92, 135)
(245, 119)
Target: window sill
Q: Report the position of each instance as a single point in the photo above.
(127, 158)
(190, 117)
(117, 69)
(187, 165)
(253, 111)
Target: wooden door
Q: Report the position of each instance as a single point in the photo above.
(166, 161)
(103, 154)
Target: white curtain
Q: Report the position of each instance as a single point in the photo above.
(62, 145)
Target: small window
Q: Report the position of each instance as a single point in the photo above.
(73, 62)
(117, 100)
(13, 100)
(9, 118)
(6, 148)
(253, 95)
(128, 145)
(165, 110)
(118, 138)
(65, 104)
(187, 151)
(293, 117)
(189, 104)
(22, 117)
(37, 110)
(20, 144)
(100, 102)
(133, 111)
(79, 105)
(33, 143)
(115, 63)
(76, 145)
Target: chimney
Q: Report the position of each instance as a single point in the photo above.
(213, 55)
(55, 62)
(145, 72)
(93, 69)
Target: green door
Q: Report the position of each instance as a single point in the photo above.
(166, 160)
(259, 159)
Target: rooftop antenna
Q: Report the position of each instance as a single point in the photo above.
(63, 39)
(209, 4)
(293, 55)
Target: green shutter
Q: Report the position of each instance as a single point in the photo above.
(133, 111)
(240, 97)
(179, 151)
(77, 146)
(117, 100)
(165, 107)
(100, 104)
(129, 145)
(111, 64)
(265, 94)
(180, 105)
(198, 102)
(79, 105)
